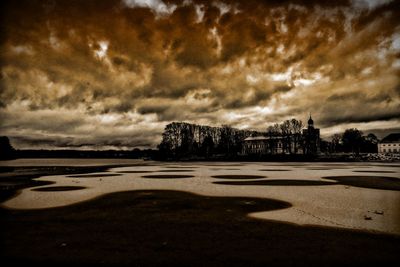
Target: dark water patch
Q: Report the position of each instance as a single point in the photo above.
(179, 170)
(323, 167)
(135, 171)
(166, 176)
(178, 167)
(334, 164)
(386, 165)
(279, 182)
(224, 165)
(372, 182)
(94, 175)
(327, 168)
(274, 170)
(359, 167)
(171, 228)
(339, 168)
(20, 177)
(9, 188)
(27, 173)
(288, 165)
(375, 171)
(238, 176)
(320, 169)
(58, 188)
(223, 169)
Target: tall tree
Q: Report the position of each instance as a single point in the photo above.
(295, 127)
(273, 130)
(370, 143)
(372, 138)
(226, 141)
(335, 142)
(352, 140)
(207, 147)
(286, 132)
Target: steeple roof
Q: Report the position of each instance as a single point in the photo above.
(310, 120)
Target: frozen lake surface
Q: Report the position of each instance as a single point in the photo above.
(363, 196)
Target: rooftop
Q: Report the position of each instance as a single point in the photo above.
(262, 138)
(391, 138)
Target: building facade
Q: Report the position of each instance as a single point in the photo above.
(262, 145)
(306, 143)
(390, 144)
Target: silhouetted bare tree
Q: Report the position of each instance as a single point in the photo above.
(207, 147)
(286, 132)
(335, 142)
(181, 139)
(295, 128)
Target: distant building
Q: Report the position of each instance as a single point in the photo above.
(261, 145)
(312, 140)
(390, 144)
(307, 143)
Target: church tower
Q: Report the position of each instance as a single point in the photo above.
(310, 122)
(311, 138)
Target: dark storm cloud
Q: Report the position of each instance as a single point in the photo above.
(354, 118)
(123, 67)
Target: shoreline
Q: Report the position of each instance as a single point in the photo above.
(174, 228)
(15, 178)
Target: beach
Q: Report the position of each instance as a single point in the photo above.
(149, 213)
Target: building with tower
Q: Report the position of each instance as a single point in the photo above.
(308, 143)
(311, 139)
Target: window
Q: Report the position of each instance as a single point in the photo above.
(390, 150)
(384, 150)
(395, 150)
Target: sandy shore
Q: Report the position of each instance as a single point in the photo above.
(19, 174)
(169, 228)
(166, 227)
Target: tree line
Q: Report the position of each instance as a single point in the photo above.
(186, 140)
(181, 139)
(351, 141)
(290, 132)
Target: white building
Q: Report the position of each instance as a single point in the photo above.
(390, 144)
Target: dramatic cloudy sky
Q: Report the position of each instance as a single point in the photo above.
(106, 74)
